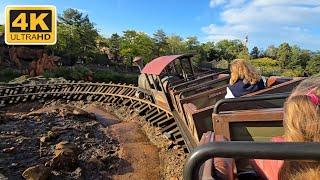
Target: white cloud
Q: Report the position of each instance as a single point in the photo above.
(285, 2)
(81, 10)
(226, 29)
(235, 3)
(271, 14)
(214, 3)
(282, 20)
(217, 38)
(228, 3)
(295, 29)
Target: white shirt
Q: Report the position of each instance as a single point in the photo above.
(229, 94)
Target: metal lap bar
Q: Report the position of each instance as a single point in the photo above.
(249, 99)
(249, 150)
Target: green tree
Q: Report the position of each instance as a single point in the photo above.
(76, 36)
(284, 55)
(230, 49)
(299, 57)
(208, 51)
(243, 54)
(255, 52)
(313, 66)
(205, 52)
(160, 41)
(304, 58)
(267, 66)
(271, 52)
(114, 46)
(175, 45)
(192, 43)
(66, 37)
(294, 58)
(73, 17)
(136, 44)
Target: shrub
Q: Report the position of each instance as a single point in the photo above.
(74, 73)
(81, 73)
(264, 62)
(316, 75)
(8, 74)
(298, 71)
(101, 59)
(313, 66)
(223, 64)
(267, 66)
(60, 72)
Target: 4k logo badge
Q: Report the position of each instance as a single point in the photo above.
(30, 25)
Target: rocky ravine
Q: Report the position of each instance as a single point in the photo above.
(83, 141)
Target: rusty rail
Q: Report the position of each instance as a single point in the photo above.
(114, 94)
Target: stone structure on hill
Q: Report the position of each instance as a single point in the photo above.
(46, 62)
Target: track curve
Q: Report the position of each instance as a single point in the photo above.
(120, 95)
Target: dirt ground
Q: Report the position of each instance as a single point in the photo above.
(77, 140)
(172, 156)
(60, 141)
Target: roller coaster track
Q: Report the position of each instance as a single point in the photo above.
(119, 95)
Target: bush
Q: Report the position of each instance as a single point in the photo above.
(316, 75)
(81, 73)
(222, 64)
(74, 73)
(313, 66)
(267, 66)
(264, 62)
(60, 72)
(101, 59)
(298, 71)
(8, 74)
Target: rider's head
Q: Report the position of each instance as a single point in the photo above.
(240, 69)
(302, 122)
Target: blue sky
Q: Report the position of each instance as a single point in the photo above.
(266, 22)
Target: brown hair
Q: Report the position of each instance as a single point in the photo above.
(302, 124)
(240, 69)
(308, 174)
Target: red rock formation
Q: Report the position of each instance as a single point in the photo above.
(38, 67)
(18, 53)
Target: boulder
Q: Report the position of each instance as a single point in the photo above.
(46, 62)
(38, 172)
(19, 53)
(50, 135)
(65, 157)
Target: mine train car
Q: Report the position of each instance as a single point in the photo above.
(172, 83)
(196, 100)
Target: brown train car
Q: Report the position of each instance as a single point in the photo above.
(248, 124)
(173, 84)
